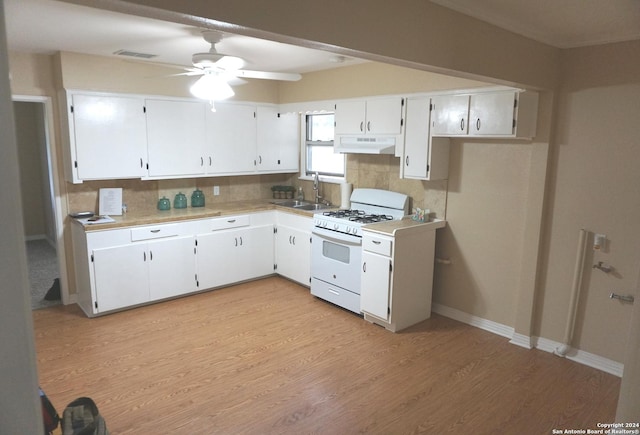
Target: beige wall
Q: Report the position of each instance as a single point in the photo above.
(594, 185)
(30, 147)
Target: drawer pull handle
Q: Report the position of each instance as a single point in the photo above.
(231, 221)
(377, 242)
(364, 267)
(334, 292)
(155, 231)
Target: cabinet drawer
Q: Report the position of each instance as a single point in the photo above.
(158, 232)
(378, 245)
(229, 222)
(336, 295)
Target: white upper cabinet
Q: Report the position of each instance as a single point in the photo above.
(499, 114)
(278, 140)
(425, 157)
(107, 137)
(508, 114)
(231, 139)
(350, 117)
(371, 126)
(384, 116)
(175, 138)
(450, 115)
(379, 116)
(492, 113)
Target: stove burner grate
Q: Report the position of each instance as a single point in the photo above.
(371, 218)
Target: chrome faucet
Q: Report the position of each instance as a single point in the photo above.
(316, 187)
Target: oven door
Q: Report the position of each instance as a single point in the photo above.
(336, 258)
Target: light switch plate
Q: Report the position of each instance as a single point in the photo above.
(216, 190)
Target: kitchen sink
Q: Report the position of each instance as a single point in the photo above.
(302, 205)
(313, 206)
(292, 203)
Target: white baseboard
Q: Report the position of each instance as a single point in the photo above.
(478, 322)
(522, 341)
(588, 359)
(597, 362)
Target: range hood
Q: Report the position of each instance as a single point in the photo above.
(365, 144)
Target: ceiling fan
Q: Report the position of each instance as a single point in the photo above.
(228, 66)
(218, 69)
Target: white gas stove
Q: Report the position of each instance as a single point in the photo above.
(367, 206)
(336, 251)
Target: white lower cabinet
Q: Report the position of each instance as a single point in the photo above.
(121, 268)
(293, 247)
(121, 277)
(397, 275)
(376, 284)
(124, 267)
(234, 251)
(172, 267)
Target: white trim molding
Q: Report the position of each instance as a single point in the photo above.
(478, 322)
(591, 360)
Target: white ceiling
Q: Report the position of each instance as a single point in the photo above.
(48, 26)
(560, 23)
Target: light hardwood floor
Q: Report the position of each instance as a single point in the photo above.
(267, 357)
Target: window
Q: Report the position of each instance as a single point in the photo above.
(319, 153)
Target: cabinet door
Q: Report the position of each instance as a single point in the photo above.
(450, 115)
(176, 138)
(172, 267)
(376, 282)
(384, 116)
(216, 258)
(255, 252)
(110, 137)
(416, 141)
(293, 254)
(350, 117)
(231, 138)
(278, 140)
(288, 128)
(492, 114)
(121, 276)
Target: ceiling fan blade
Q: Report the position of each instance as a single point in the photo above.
(188, 73)
(288, 77)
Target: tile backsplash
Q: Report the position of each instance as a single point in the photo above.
(372, 171)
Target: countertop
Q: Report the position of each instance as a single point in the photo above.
(146, 217)
(391, 228)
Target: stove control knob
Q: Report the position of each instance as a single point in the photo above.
(324, 224)
(336, 226)
(355, 231)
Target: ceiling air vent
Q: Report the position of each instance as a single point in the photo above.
(134, 54)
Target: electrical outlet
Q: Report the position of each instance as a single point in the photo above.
(216, 190)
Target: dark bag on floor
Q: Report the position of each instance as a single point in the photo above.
(81, 417)
(50, 416)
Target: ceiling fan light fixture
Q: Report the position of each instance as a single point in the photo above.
(211, 87)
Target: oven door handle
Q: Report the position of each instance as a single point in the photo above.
(337, 237)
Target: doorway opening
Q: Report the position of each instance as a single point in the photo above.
(41, 205)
